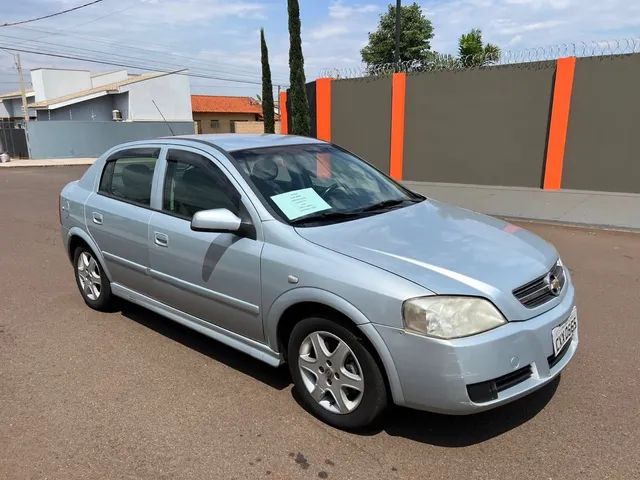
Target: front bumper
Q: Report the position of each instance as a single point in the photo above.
(434, 374)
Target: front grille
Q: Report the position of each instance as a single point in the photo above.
(554, 359)
(487, 391)
(539, 291)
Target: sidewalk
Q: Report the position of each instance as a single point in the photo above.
(48, 162)
(582, 207)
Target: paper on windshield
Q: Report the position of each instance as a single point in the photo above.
(298, 203)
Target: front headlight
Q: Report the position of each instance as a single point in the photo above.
(450, 317)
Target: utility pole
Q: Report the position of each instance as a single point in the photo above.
(397, 52)
(23, 91)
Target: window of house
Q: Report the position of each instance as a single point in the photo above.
(192, 183)
(128, 175)
(215, 124)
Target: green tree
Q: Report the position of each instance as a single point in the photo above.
(300, 115)
(473, 53)
(267, 87)
(415, 35)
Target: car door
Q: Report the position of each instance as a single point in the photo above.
(118, 214)
(212, 276)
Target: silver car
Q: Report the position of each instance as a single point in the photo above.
(294, 250)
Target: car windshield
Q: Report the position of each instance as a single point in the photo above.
(318, 183)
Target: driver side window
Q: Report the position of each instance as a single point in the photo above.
(193, 183)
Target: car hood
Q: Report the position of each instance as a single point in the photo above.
(447, 250)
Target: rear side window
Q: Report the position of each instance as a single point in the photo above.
(128, 175)
(193, 183)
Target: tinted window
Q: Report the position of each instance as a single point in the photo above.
(128, 175)
(194, 183)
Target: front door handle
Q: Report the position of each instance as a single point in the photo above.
(97, 218)
(161, 239)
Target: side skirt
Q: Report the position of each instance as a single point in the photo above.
(250, 347)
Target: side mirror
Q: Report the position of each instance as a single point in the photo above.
(217, 220)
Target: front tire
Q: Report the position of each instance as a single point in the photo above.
(91, 280)
(335, 375)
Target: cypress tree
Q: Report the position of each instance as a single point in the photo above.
(267, 87)
(300, 116)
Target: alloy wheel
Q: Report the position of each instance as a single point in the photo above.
(331, 372)
(89, 276)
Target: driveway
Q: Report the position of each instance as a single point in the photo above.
(131, 395)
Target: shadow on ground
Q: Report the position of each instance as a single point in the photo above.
(462, 431)
(424, 427)
(277, 378)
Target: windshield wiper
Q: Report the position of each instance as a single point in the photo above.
(380, 206)
(321, 216)
(387, 204)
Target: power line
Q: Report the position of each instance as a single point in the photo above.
(51, 14)
(146, 51)
(119, 57)
(125, 65)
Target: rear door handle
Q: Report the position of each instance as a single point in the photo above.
(160, 239)
(97, 218)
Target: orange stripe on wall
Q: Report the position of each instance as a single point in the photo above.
(284, 116)
(560, 108)
(323, 109)
(398, 93)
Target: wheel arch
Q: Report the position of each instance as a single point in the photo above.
(296, 304)
(76, 237)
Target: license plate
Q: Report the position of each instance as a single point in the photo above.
(563, 333)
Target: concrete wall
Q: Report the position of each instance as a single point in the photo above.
(562, 124)
(96, 109)
(361, 118)
(12, 108)
(53, 83)
(254, 127)
(6, 108)
(224, 121)
(603, 144)
(172, 94)
(485, 127)
(99, 79)
(121, 102)
(67, 139)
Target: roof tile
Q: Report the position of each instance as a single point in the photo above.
(221, 104)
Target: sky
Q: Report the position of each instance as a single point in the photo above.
(219, 39)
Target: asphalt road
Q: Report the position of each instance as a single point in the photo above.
(132, 395)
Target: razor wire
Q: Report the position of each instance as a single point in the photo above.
(524, 57)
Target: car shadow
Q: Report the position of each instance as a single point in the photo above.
(465, 430)
(424, 427)
(277, 378)
(457, 430)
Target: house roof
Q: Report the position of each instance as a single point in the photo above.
(28, 93)
(102, 89)
(221, 104)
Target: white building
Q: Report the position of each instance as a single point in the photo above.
(78, 95)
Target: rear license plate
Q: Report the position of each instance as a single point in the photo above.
(563, 333)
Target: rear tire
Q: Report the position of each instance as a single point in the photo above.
(337, 378)
(91, 280)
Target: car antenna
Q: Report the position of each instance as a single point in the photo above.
(165, 120)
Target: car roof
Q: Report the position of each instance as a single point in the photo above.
(235, 141)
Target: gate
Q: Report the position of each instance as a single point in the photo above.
(13, 139)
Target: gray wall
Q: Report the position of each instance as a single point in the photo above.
(484, 127)
(361, 118)
(603, 141)
(121, 102)
(97, 109)
(12, 107)
(64, 139)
